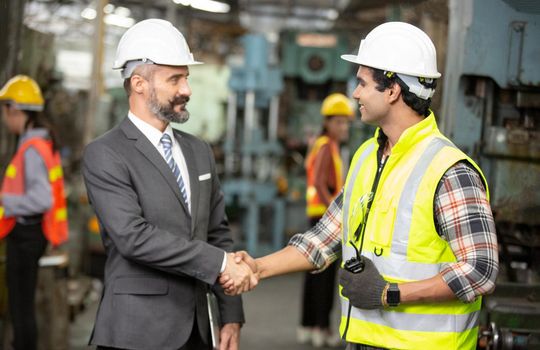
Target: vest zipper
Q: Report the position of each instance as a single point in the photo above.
(360, 231)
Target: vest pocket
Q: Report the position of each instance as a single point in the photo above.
(381, 227)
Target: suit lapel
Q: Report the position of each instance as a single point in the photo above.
(151, 153)
(189, 156)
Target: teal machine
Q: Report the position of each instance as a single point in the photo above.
(313, 69)
(491, 109)
(252, 150)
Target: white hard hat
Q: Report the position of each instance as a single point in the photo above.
(400, 48)
(152, 41)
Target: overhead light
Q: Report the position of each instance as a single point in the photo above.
(109, 8)
(332, 14)
(122, 11)
(119, 18)
(88, 13)
(206, 5)
(211, 6)
(119, 21)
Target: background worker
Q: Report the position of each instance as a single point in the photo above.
(413, 225)
(324, 170)
(161, 212)
(32, 202)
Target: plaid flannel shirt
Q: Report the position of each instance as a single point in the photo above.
(462, 217)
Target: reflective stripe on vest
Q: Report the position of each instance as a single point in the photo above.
(11, 171)
(392, 265)
(415, 322)
(56, 173)
(427, 155)
(349, 251)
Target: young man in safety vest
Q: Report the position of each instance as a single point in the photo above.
(413, 223)
(32, 202)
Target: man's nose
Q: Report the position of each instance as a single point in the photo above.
(184, 89)
(356, 93)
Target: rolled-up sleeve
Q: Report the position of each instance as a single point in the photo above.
(464, 218)
(321, 244)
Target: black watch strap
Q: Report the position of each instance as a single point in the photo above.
(392, 295)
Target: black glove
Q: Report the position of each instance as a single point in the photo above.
(364, 289)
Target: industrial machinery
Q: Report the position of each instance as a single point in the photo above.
(252, 151)
(313, 69)
(268, 136)
(491, 110)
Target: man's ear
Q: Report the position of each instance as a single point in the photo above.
(138, 84)
(393, 92)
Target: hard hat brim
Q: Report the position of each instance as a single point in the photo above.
(23, 106)
(192, 63)
(354, 59)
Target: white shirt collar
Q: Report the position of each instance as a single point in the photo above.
(151, 133)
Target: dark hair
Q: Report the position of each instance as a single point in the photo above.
(418, 104)
(324, 130)
(39, 120)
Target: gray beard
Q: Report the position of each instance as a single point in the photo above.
(166, 112)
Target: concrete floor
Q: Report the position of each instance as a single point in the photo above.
(272, 315)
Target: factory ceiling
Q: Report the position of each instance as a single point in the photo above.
(72, 17)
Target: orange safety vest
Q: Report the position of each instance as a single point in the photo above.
(314, 206)
(54, 224)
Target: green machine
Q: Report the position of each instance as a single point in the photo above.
(312, 69)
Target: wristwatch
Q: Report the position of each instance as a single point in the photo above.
(392, 295)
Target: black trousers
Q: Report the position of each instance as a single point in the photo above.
(25, 245)
(318, 295)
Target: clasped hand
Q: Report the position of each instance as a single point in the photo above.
(240, 275)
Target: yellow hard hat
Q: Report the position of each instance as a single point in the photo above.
(336, 104)
(22, 92)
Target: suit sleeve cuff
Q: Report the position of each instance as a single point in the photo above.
(224, 263)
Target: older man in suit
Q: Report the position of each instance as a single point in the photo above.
(160, 209)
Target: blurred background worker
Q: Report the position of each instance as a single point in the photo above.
(324, 169)
(32, 202)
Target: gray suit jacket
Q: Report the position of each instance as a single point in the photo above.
(160, 259)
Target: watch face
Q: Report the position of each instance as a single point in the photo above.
(392, 295)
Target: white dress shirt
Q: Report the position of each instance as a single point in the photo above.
(154, 136)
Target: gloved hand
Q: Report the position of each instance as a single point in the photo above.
(364, 289)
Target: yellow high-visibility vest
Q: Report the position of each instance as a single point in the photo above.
(402, 241)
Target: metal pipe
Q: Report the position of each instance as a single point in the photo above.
(96, 87)
(249, 119)
(230, 141)
(273, 119)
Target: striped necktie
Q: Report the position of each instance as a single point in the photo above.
(166, 142)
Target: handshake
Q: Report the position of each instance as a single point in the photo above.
(241, 274)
